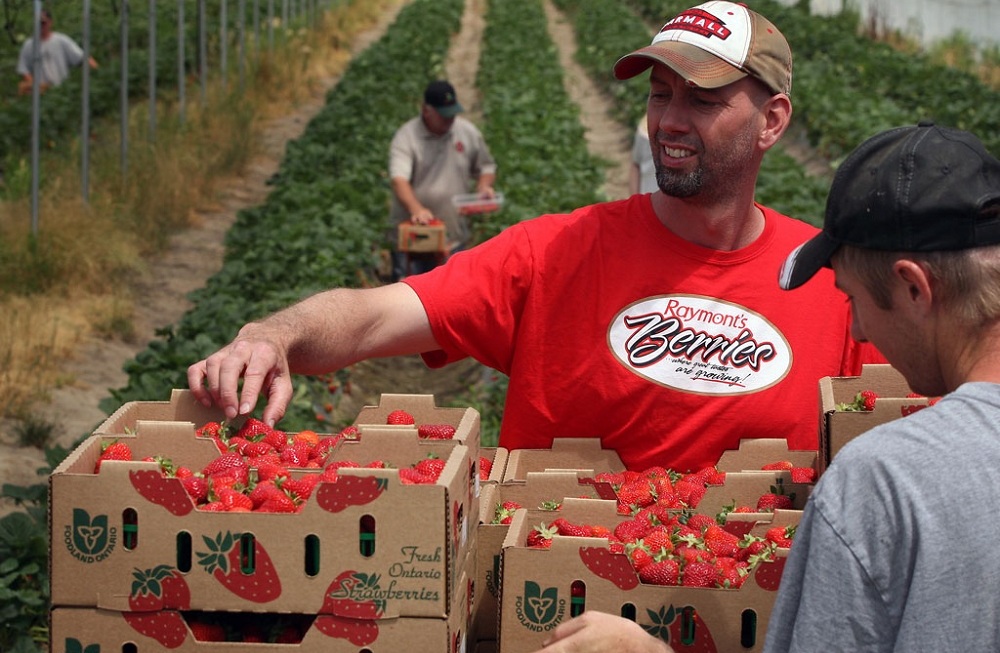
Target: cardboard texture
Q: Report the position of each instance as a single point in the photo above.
(91, 629)
(537, 488)
(536, 592)
(418, 238)
(754, 453)
(182, 407)
(104, 528)
(566, 453)
(838, 427)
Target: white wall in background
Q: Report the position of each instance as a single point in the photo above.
(925, 20)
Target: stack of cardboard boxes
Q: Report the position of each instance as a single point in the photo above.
(369, 563)
(386, 565)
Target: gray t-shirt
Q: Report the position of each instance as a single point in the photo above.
(897, 547)
(59, 53)
(439, 167)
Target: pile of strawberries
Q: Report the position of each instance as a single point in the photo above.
(254, 469)
(673, 549)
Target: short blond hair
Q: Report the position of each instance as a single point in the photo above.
(967, 281)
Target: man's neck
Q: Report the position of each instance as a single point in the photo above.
(721, 225)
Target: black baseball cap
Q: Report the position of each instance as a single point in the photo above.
(441, 95)
(919, 188)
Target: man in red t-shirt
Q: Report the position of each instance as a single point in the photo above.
(653, 323)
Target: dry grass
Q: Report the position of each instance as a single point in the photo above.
(72, 280)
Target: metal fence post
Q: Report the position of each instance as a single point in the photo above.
(36, 108)
(152, 71)
(85, 108)
(181, 81)
(123, 90)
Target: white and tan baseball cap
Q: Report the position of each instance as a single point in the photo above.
(714, 44)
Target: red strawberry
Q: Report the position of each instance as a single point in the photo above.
(212, 430)
(664, 572)
(636, 494)
(261, 584)
(430, 466)
(279, 502)
(699, 574)
(302, 488)
(609, 566)
(167, 627)
(411, 476)
(721, 542)
(234, 500)
(254, 429)
(868, 398)
(485, 467)
(504, 512)
(359, 632)
(803, 475)
(231, 463)
(113, 451)
(399, 417)
(166, 492)
(700, 522)
(436, 431)
(778, 465)
(781, 535)
(540, 536)
(349, 491)
(565, 527)
(196, 487)
(770, 501)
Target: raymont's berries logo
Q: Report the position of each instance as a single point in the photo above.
(539, 610)
(89, 539)
(700, 344)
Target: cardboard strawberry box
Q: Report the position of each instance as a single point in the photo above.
(354, 541)
(543, 587)
(838, 427)
(539, 488)
(93, 629)
(421, 238)
(565, 454)
(465, 421)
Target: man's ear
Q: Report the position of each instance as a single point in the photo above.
(777, 112)
(916, 281)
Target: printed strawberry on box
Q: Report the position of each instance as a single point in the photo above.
(498, 502)
(543, 587)
(91, 630)
(839, 426)
(353, 550)
(565, 454)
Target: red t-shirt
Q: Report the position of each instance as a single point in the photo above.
(611, 326)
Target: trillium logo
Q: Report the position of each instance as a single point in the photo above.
(538, 609)
(700, 344)
(89, 539)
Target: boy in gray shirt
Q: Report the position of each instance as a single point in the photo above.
(896, 547)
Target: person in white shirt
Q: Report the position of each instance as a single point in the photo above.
(57, 52)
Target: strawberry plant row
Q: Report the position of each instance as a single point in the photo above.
(325, 217)
(532, 125)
